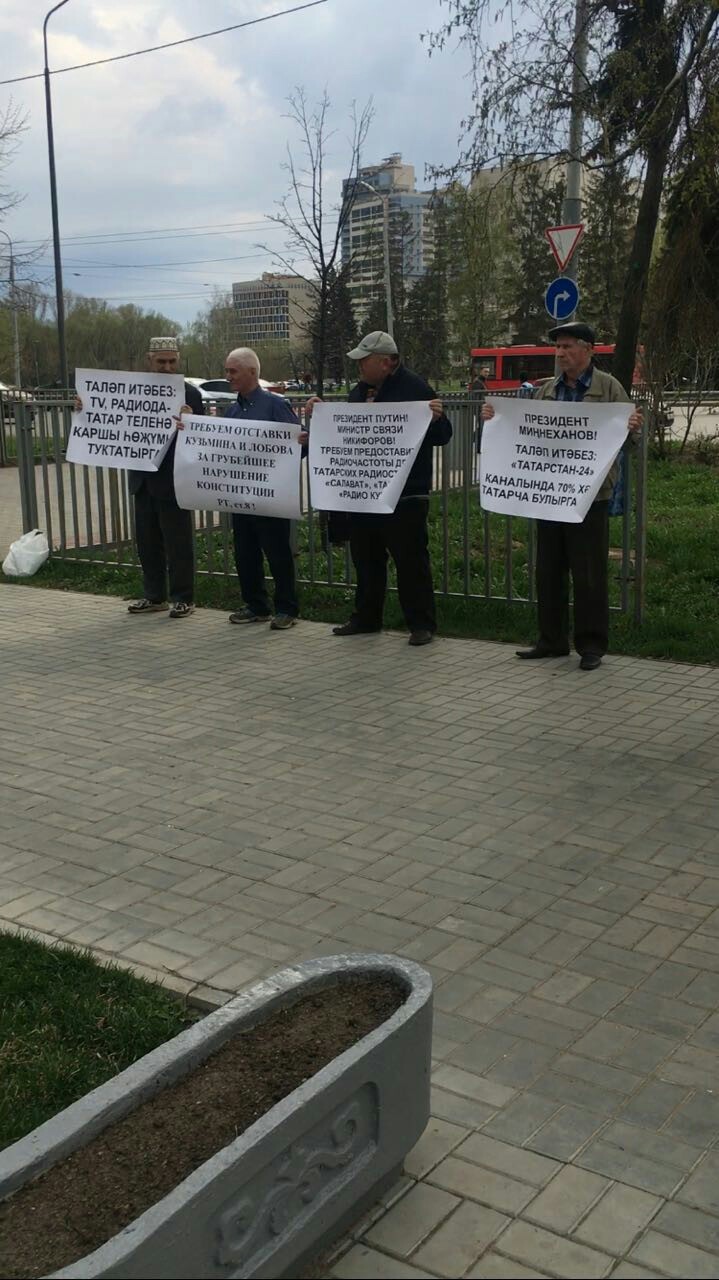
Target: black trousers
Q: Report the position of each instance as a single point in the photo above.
(582, 550)
(166, 546)
(254, 537)
(403, 535)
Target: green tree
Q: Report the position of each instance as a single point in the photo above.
(651, 68)
(426, 328)
(609, 215)
(341, 329)
(537, 204)
(479, 249)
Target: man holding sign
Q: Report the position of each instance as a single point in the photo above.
(256, 536)
(556, 444)
(400, 528)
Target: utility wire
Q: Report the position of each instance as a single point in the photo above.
(172, 44)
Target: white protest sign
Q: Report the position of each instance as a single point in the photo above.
(236, 464)
(127, 419)
(546, 459)
(361, 454)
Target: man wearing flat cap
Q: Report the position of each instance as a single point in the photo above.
(164, 533)
(579, 549)
(403, 534)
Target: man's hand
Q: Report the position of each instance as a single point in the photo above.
(437, 409)
(486, 412)
(636, 420)
(313, 400)
(77, 405)
(185, 408)
(303, 437)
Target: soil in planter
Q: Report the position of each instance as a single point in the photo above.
(84, 1201)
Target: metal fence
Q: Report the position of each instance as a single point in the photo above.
(87, 515)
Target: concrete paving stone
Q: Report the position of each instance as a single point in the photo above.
(492, 1266)
(658, 1013)
(697, 1120)
(674, 1258)
(520, 1119)
(459, 1110)
(691, 1225)
(515, 1162)
(537, 1030)
(554, 1254)
(645, 1053)
(459, 1241)
(482, 1049)
(605, 1041)
(522, 1064)
(566, 1089)
(487, 1003)
(702, 991)
(616, 1221)
(627, 1271)
(592, 1072)
(566, 1199)
(630, 1168)
(702, 1186)
(668, 980)
(475, 1183)
(563, 987)
(454, 990)
(653, 1104)
(412, 1219)
(473, 1086)
(566, 1132)
(439, 1138)
(362, 1263)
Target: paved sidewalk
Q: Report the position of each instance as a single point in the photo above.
(211, 802)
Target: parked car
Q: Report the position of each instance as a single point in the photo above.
(218, 392)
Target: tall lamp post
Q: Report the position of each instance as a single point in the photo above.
(60, 302)
(385, 251)
(13, 312)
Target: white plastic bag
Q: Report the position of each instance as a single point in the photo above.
(26, 555)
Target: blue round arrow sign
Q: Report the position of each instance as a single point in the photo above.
(561, 298)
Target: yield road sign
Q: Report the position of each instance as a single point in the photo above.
(563, 241)
(561, 298)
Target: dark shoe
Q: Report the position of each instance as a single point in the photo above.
(354, 629)
(147, 606)
(420, 637)
(181, 609)
(539, 652)
(247, 615)
(283, 622)
(590, 661)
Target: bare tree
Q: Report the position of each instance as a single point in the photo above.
(313, 223)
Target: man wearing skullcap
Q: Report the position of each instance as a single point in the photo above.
(164, 533)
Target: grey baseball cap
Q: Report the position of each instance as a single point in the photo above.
(376, 343)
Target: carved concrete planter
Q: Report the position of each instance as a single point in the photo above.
(297, 1177)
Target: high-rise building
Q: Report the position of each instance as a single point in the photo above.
(410, 225)
(275, 308)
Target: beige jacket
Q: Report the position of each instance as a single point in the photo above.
(604, 389)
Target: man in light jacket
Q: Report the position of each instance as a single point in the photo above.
(579, 549)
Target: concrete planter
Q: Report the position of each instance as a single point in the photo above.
(296, 1178)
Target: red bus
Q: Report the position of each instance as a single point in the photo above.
(504, 368)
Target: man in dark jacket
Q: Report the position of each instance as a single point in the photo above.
(403, 534)
(164, 533)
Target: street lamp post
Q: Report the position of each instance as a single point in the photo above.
(60, 302)
(385, 252)
(13, 312)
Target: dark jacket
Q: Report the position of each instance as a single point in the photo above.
(404, 385)
(161, 484)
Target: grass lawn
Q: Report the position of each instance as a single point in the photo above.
(682, 581)
(67, 1024)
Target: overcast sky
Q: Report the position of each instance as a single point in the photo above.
(190, 141)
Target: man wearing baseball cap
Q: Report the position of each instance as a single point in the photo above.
(164, 533)
(579, 549)
(403, 534)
